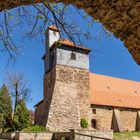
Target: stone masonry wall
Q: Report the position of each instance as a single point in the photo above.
(66, 93)
(38, 111)
(93, 135)
(129, 119)
(73, 135)
(40, 116)
(80, 78)
(104, 118)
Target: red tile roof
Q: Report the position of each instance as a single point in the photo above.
(71, 44)
(109, 91)
(53, 27)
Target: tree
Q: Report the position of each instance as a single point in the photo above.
(19, 89)
(22, 117)
(20, 92)
(5, 100)
(5, 108)
(37, 18)
(122, 21)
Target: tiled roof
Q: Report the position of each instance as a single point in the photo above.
(71, 44)
(53, 27)
(110, 91)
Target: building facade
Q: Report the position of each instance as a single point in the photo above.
(71, 92)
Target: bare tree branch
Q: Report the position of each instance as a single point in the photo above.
(19, 88)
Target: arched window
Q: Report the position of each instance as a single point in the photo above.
(94, 123)
(73, 56)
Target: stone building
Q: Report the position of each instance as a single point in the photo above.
(72, 92)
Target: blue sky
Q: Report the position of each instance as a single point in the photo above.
(109, 57)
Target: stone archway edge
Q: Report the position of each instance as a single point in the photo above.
(121, 17)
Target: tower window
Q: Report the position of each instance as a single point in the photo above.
(73, 56)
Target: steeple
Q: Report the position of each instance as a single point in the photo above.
(66, 84)
(52, 35)
(63, 52)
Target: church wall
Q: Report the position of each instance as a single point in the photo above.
(129, 119)
(103, 116)
(67, 96)
(39, 114)
(64, 58)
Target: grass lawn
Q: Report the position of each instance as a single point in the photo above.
(126, 135)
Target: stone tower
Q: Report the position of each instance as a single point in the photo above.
(66, 84)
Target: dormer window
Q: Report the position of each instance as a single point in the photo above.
(73, 56)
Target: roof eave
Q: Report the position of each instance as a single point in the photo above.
(39, 103)
(117, 106)
(57, 44)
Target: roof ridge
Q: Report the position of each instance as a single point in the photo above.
(119, 78)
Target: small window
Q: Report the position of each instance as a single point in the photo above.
(73, 56)
(94, 123)
(94, 111)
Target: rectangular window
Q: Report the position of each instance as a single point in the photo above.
(94, 111)
(73, 56)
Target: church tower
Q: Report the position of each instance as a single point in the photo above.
(66, 84)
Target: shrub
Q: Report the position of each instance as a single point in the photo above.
(35, 128)
(63, 138)
(84, 123)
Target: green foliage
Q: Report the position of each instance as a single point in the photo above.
(5, 109)
(5, 101)
(126, 135)
(21, 118)
(84, 123)
(35, 128)
(63, 138)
